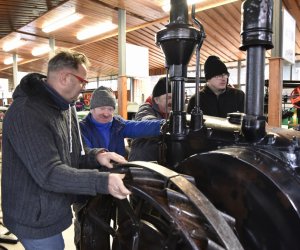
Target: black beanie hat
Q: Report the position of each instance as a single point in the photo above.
(103, 96)
(213, 66)
(160, 88)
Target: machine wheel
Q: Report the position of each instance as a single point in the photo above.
(166, 211)
(257, 189)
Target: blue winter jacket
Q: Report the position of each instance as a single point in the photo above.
(119, 129)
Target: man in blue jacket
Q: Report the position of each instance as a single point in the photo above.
(101, 128)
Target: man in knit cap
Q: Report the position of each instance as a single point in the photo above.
(216, 97)
(101, 128)
(162, 98)
(156, 107)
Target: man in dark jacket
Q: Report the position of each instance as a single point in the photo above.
(216, 97)
(156, 107)
(43, 154)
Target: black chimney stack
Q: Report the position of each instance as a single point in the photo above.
(178, 41)
(256, 37)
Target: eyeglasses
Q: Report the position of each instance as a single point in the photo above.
(224, 75)
(80, 79)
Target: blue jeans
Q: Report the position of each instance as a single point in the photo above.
(55, 242)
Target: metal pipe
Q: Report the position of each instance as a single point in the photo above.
(197, 114)
(256, 38)
(178, 41)
(254, 102)
(179, 12)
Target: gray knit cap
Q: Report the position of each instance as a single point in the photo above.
(103, 96)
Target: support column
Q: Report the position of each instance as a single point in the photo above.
(52, 47)
(98, 82)
(131, 93)
(239, 66)
(122, 79)
(275, 70)
(137, 91)
(275, 92)
(15, 70)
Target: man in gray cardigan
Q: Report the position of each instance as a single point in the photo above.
(154, 108)
(44, 162)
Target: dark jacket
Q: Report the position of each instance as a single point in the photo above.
(232, 100)
(40, 176)
(146, 149)
(119, 130)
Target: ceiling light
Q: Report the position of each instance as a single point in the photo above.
(96, 30)
(13, 44)
(62, 22)
(167, 6)
(10, 60)
(37, 51)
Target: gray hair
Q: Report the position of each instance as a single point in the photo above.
(67, 59)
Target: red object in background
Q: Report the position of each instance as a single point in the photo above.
(295, 97)
(87, 99)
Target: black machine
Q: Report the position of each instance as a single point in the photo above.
(222, 183)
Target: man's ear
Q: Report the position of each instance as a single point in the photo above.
(92, 111)
(63, 77)
(155, 99)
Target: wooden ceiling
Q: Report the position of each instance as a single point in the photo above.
(144, 18)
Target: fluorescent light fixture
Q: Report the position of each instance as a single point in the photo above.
(10, 60)
(96, 30)
(37, 51)
(13, 44)
(167, 6)
(62, 22)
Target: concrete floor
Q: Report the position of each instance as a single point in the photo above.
(68, 237)
(67, 234)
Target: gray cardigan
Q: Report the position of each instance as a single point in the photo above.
(40, 176)
(146, 149)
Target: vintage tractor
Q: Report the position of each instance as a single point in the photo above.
(222, 183)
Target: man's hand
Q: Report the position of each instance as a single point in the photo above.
(116, 186)
(164, 127)
(106, 158)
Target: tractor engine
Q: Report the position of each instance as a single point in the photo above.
(222, 183)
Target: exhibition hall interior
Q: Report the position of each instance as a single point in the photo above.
(220, 179)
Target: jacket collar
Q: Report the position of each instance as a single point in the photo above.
(35, 85)
(208, 90)
(58, 99)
